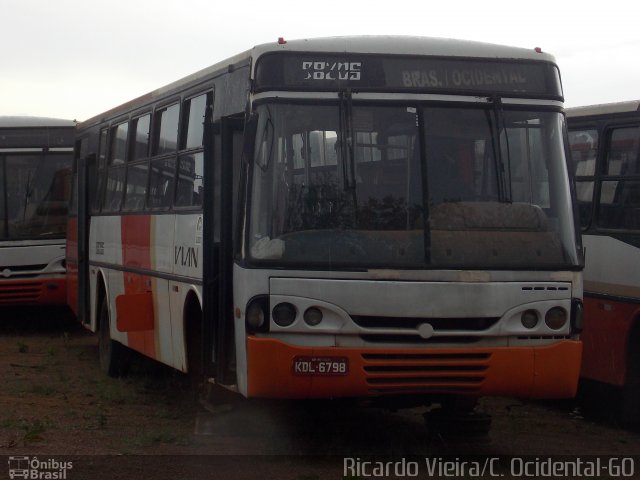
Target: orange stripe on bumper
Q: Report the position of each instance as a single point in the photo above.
(527, 372)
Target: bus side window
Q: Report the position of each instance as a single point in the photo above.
(162, 171)
(116, 168)
(584, 147)
(190, 165)
(161, 182)
(622, 152)
(138, 166)
(190, 170)
(165, 138)
(620, 197)
(97, 174)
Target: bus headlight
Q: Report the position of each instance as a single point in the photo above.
(256, 317)
(312, 316)
(556, 318)
(284, 314)
(529, 319)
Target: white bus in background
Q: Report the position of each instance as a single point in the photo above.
(605, 145)
(35, 182)
(381, 217)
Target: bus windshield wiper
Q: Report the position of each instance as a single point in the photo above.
(346, 141)
(504, 183)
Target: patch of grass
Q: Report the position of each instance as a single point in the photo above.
(172, 413)
(116, 392)
(33, 430)
(62, 376)
(10, 422)
(97, 418)
(157, 437)
(22, 347)
(43, 390)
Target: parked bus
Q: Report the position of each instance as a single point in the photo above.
(36, 156)
(605, 144)
(343, 217)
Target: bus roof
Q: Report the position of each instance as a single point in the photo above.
(392, 45)
(603, 109)
(404, 45)
(33, 122)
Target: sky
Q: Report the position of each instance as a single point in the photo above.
(77, 58)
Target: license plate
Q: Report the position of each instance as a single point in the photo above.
(320, 366)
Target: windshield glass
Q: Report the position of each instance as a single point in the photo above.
(35, 195)
(344, 186)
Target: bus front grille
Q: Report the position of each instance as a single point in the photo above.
(407, 330)
(425, 373)
(23, 293)
(472, 324)
(404, 339)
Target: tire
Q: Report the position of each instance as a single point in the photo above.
(193, 334)
(630, 407)
(630, 411)
(114, 357)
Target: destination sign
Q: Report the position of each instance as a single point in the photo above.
(320, 71)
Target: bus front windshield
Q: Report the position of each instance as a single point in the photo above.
(365, 186)
(35, 192)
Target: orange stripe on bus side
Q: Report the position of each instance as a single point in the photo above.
(136, 253)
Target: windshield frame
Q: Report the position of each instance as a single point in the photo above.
(494, 106)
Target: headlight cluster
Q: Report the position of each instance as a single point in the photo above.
(257, 314)
(284, 314)
(555, 318)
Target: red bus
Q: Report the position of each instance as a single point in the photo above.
(605, 146)
(35, 183)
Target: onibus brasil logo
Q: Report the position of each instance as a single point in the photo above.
(33, 468)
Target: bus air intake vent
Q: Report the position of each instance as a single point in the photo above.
(23, 293)
(425, 373)
(539, 288)
(444, 339)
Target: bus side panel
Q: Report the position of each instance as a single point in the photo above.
(612, 298)
(185, 256)
(105, 250)
(606, 330)
(136, 255)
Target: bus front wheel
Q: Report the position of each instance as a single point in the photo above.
(114, 357)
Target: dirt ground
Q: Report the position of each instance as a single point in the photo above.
(54, 401)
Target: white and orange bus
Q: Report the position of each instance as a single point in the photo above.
(605, 145)
(343, 217)
(36, 155)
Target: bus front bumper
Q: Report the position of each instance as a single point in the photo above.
(278, 370)
(43, 291)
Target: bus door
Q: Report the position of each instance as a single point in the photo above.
(78, 250)
(223, 155)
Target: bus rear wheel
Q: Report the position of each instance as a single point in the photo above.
(114, 357)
